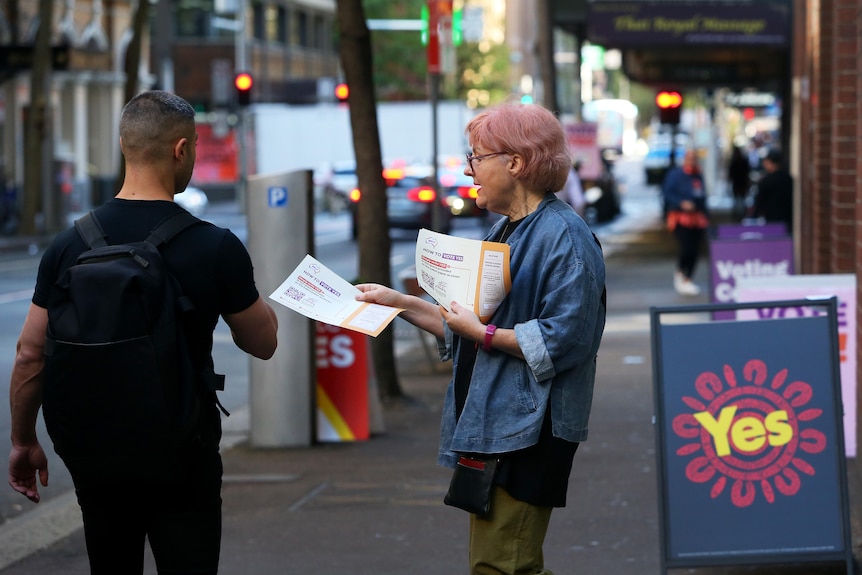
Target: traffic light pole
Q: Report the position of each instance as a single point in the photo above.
(241, 63)
(672, 145)
(242, 177)
(434, 70)
(434, 89)
(669, 108)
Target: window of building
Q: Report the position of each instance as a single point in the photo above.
(272, 23)
(193, 19)
(258, 21)
(302, 28)
(319, 33)
(281, 17)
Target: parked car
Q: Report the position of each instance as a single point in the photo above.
(410, 199)
(601, 194)
(194, 200)
(332, 186)
(657, 159)
(460, 193)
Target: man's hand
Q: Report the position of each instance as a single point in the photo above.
(376, 293)
(25, 462)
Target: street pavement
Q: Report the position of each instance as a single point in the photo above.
(375, 507)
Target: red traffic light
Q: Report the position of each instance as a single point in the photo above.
(342, 92)
(669, 107)
(668, 100)
(243, 81)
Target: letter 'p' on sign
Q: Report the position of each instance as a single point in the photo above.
(277, 196)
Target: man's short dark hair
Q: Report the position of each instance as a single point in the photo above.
(152, 121)
(775, 156)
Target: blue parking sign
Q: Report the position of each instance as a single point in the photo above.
(277, 196)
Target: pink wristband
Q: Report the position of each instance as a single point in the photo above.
(489, 333)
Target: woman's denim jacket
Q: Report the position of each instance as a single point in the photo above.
(558, 275)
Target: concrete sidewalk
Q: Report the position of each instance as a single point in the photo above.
(375, 507)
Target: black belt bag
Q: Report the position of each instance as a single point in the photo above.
(471, 485)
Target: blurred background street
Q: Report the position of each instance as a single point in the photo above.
(323, 87)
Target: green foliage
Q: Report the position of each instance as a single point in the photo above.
(483, 75)
(401, 61)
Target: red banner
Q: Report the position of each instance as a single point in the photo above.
(217, 157)
(342, 384)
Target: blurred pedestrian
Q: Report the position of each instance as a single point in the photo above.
(687, 218)
(125, 500)
(774, 199)
(522, 385)
(739, 176)
(573, 191)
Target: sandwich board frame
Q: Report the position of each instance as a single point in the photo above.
(749, 437)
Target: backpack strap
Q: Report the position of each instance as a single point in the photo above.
(161, 235)
(90, 231)
(167, 230)
(170, 227)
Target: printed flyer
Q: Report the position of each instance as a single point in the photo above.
(473, 273)
(317, 292)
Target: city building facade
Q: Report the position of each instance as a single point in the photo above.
(83, 99)
(826, 145)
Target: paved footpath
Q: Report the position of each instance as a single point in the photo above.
(375, 507)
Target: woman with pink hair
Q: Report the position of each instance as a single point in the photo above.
(519, 400)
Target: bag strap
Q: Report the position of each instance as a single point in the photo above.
(170, 227)
(90, 231)
(605, 288)
(94, 236)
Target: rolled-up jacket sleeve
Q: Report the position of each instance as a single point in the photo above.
(532, 344)
(562, 335)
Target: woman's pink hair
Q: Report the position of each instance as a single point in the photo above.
(530, 131)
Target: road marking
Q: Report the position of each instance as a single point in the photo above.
(308, 497)
(14, 296)
(259, 478)
(18, 265)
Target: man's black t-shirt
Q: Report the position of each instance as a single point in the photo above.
(210, 263)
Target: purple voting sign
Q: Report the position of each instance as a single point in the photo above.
(756, 231)
(732, 259)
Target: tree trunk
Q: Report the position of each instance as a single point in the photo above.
(546, 56)
(36, 127)
(374, 242)
(132, 61)
(131, 64)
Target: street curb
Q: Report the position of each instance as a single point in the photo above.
(57, 518)
(46, 524)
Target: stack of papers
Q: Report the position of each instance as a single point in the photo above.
(472, 272)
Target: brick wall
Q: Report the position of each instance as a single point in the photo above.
(193, 67)
(857, 18)
(804, 41)
(829, 69)
(822, 148)
(842, 161)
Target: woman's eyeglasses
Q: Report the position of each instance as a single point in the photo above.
(471, 158)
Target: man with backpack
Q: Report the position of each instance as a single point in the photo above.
(117, 351)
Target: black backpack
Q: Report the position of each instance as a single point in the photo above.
(121, 391)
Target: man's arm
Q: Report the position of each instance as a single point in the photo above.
(254, 329)
(25, 398)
